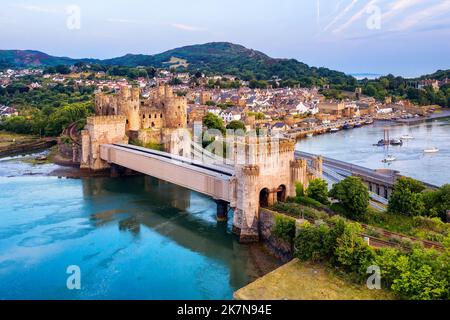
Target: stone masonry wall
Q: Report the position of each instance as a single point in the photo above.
(281, 249)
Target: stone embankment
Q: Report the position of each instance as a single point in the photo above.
(19, 148)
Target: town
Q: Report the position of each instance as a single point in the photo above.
(292, 111)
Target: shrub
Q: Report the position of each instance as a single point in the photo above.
(353, 195)
(373, 232)
(312, 243)
(437, 202)
(352, 252)
(292, 209)
(284, 228)
(420, 276)
(299, 189)
(407, 198)
(309, 202)
(386, 259)
(310, 213)
(318, 190)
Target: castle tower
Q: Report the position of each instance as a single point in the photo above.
(264, 177)
(100, 130)
(175, 109)
(129, 104)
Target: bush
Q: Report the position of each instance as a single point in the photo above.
(284, 228)
(353, 195)
(318, 190)
(288, 208)
(386, 259)
(309, 202)
(407, 197)
(420, 276)
(352, 252)
(299, 189)
(313, 243)
(437, 202)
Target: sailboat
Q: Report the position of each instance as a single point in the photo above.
(431, 150)
(389, 158)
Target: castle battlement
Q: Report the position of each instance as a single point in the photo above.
(102, 120)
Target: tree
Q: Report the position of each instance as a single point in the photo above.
(353, 195)
(437, 202)
(175, 81)
(211, 121)
(318, 190)
(407, 197)
(420, 276)
(236, 125)
(352, 252)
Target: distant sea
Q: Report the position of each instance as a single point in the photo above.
(361, 76)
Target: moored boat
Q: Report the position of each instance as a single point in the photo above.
(396, 142)
(407, 137)
(347, 126)
(389, 158)
(431, 150)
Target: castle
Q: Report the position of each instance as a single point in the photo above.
(147, 120)
(123, 117)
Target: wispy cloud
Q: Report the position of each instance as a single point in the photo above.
(399, 6)
(424, 15)
(35, 8)
(128, 21)
(355, 17)
(341, 14)
(186, 27)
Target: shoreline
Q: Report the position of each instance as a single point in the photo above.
(435, 116)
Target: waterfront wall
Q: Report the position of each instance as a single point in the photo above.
(280, 248)
(27, 147)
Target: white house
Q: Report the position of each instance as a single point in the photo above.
(230, 115)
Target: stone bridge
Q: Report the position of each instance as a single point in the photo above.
(266, 172)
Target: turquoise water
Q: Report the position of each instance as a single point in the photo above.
(133, 238)
(356, 146)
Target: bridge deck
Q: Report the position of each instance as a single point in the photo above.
(214, 181)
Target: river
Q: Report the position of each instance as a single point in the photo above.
(132, 238)
(357, 146)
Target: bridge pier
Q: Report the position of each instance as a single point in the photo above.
(222, 211)
(115, 170)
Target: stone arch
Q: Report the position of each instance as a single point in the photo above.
(153, 124)
(264, 197)
(281, 193)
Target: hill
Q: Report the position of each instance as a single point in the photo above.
(217, 57)
(29, 58)
(228, 58)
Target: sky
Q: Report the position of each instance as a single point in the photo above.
(402, 37)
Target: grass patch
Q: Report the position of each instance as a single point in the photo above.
(9, 138)
(308, 281)
(424, 228)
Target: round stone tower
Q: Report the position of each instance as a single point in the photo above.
(175, 109)
(129, 100)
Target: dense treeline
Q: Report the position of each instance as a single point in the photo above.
(119, 71)
(400, 88)
(48, 110)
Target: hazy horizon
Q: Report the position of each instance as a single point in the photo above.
(402, 37)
